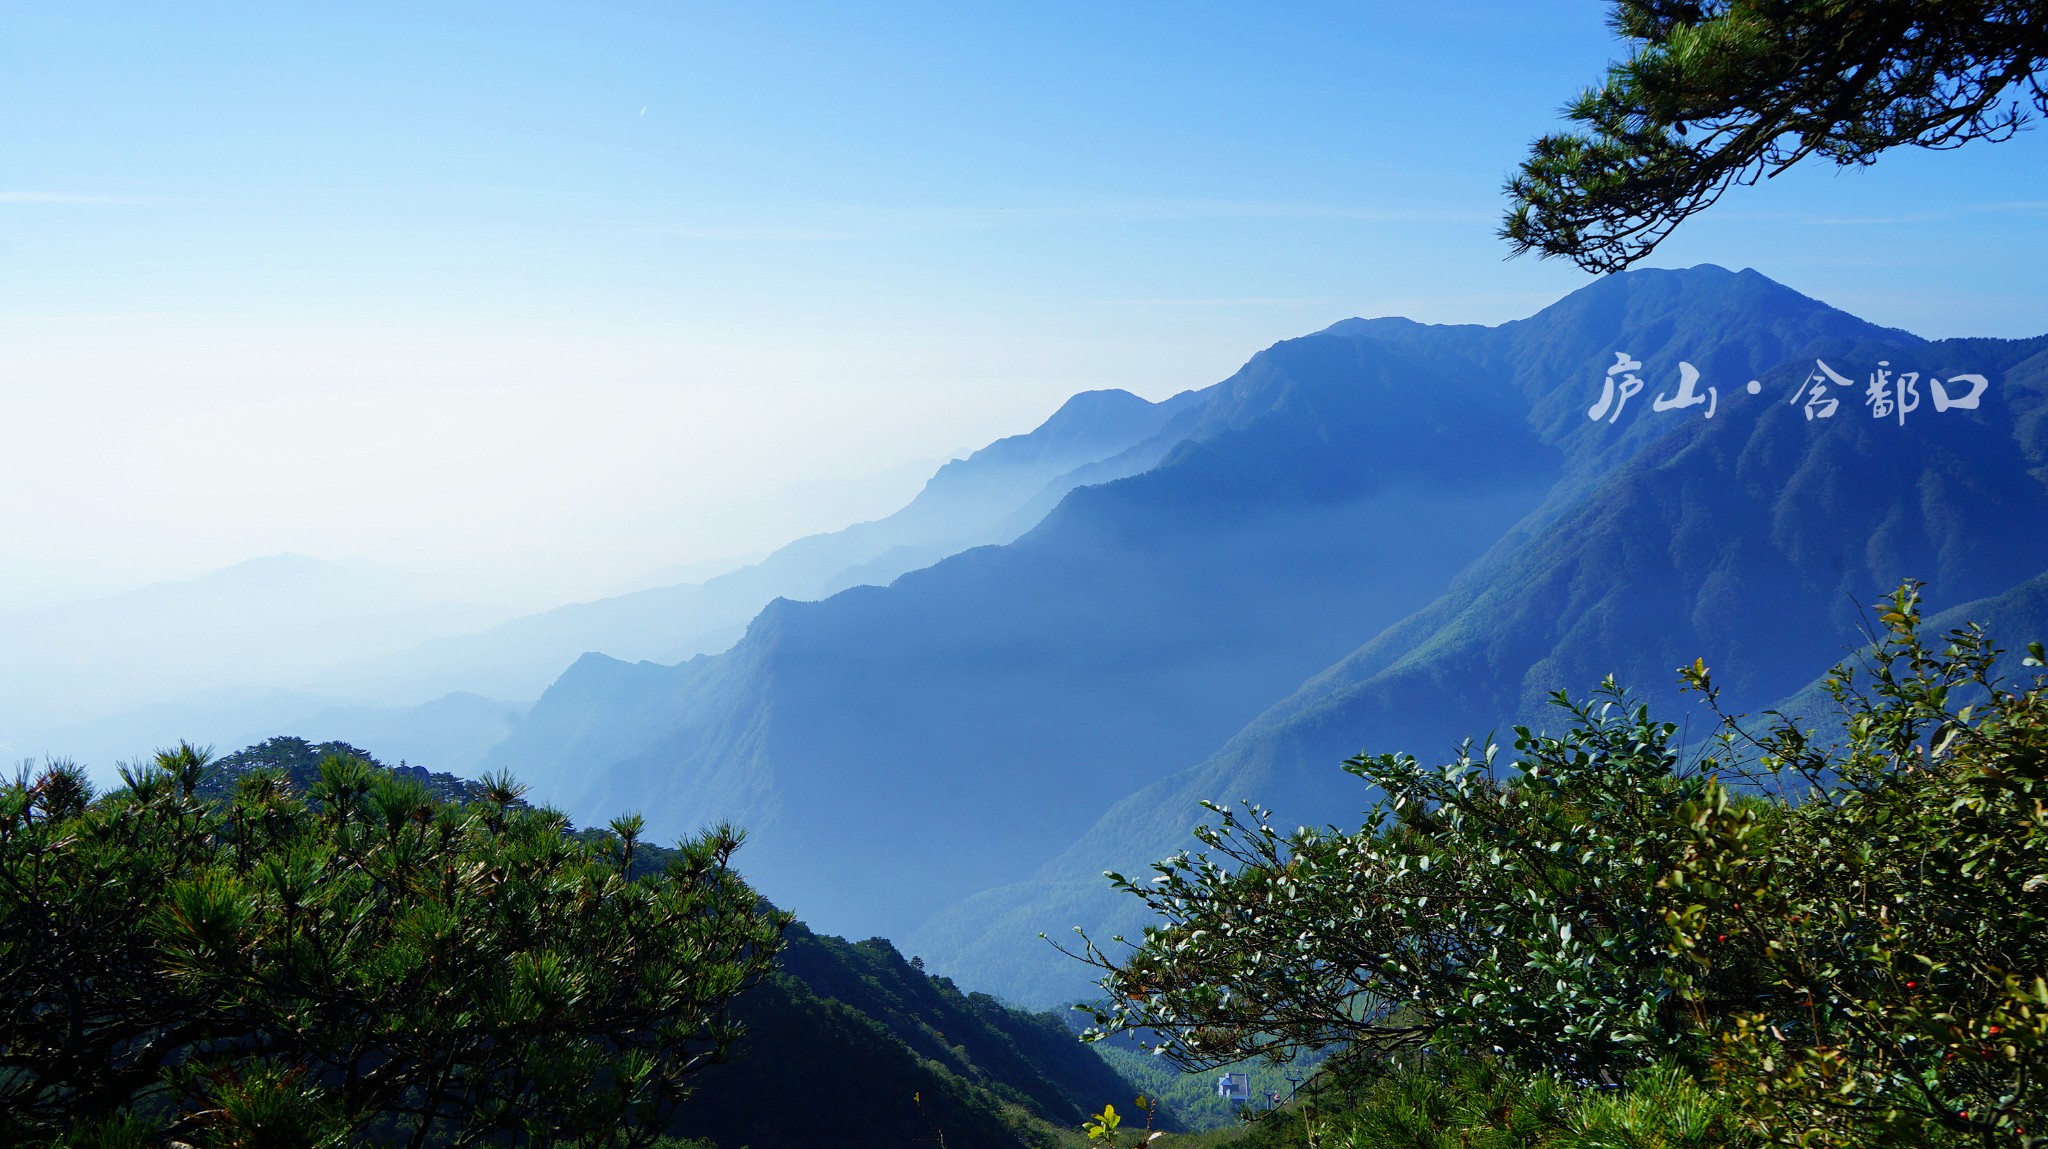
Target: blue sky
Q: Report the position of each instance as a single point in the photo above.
(541, 296)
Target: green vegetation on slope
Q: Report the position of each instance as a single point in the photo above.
(1480, 1103)
(386, 915)
(1181, 1098)
(850, 1044)
(299, 762)
(1829, 939)
(360, 962)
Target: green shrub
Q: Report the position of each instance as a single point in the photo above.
(363, 961)
(1842, 934)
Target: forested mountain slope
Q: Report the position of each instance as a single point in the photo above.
(1385, 535)
(891, 1056)
(892, 749)
(1755, 542)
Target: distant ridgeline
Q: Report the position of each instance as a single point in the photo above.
(300, 761)
(1383, 536)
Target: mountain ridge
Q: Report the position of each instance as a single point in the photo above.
(1383, 535)
(984, 497)
(1390, 694)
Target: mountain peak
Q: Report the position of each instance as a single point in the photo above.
(1108, 402)
(1708, 291)
(1083, 423)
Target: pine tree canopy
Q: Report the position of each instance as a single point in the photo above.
(360, 962)
(1724, 92)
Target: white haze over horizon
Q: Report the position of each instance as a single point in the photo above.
(535, 301)
(523, 468)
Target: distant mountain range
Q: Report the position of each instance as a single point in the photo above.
(992, 496)
(266, 621)
(293, 645)
(1385, 535)
(941, 726)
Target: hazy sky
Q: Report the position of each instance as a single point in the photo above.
(547, 295)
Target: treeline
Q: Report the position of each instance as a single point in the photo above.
(298, 761)
(354, 959)
(1832, 938)
(293, 946)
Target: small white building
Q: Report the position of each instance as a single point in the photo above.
(1234, 1087)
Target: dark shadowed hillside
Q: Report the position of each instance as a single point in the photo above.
(843, 1043)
